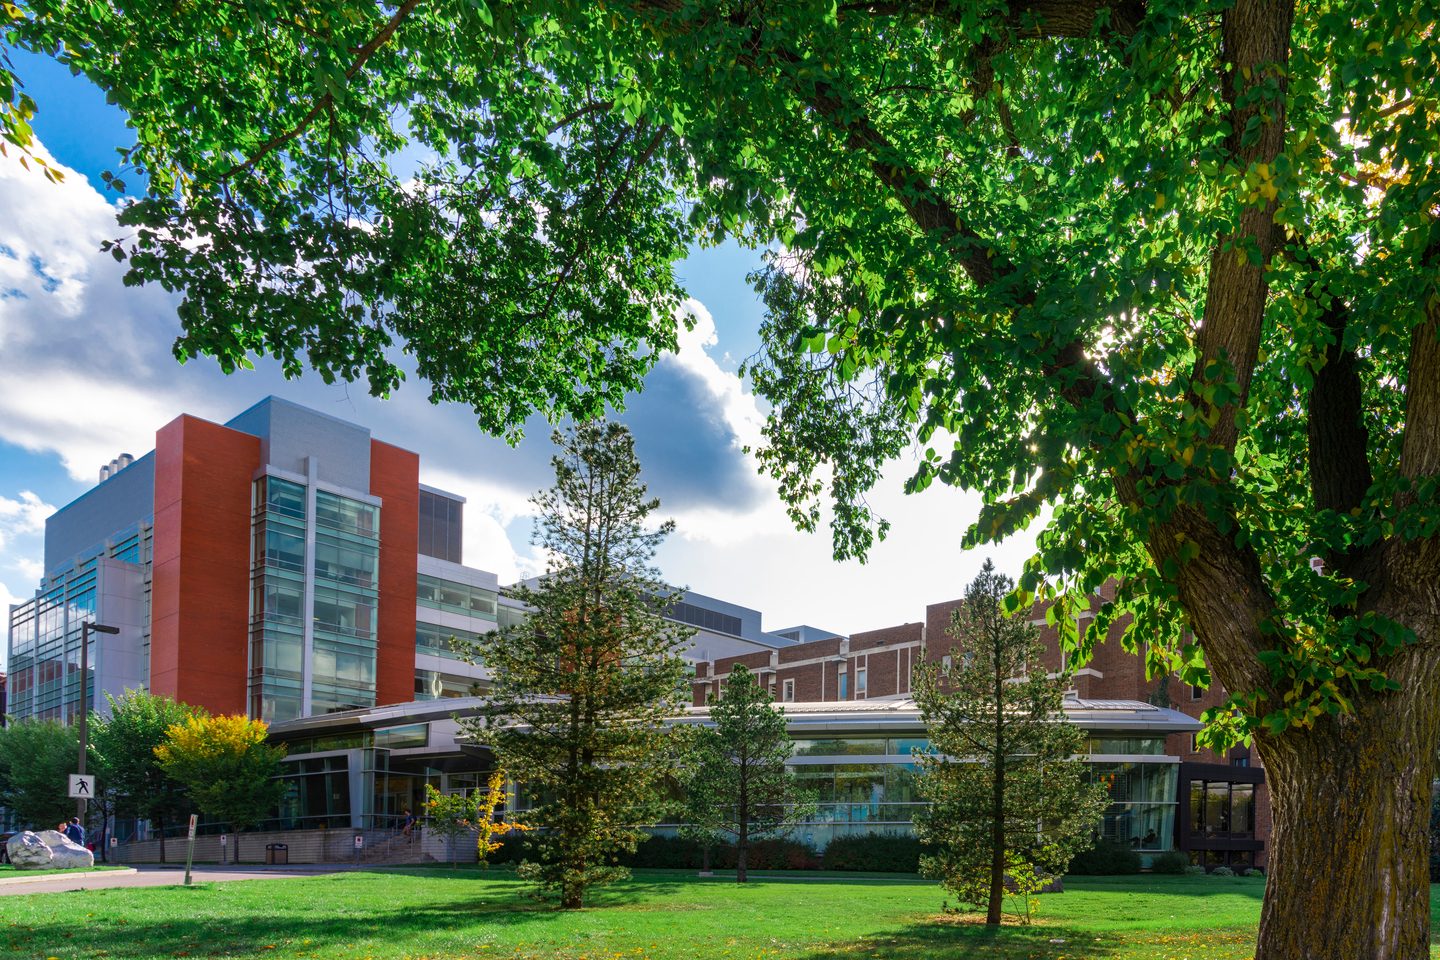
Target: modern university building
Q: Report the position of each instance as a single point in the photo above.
(289, 566)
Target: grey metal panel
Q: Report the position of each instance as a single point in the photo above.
(289, 433)
(86, 522)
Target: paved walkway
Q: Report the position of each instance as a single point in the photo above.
(157, 876)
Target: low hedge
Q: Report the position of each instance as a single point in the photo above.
(874, 853)
(1105, 858)
(1171, 861)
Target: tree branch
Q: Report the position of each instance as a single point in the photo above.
(364, 54)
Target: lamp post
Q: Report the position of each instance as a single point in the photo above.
(86, 629)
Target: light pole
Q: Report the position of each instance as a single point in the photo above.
(86, 629)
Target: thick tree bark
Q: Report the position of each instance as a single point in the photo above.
(1349, 860)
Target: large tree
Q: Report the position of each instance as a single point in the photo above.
(1009, 801)
(1162, 275)
(739, 786)
(36, 760)
(582, 686)
(123, 744)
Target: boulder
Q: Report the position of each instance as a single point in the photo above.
(65, 853)
(28, 852)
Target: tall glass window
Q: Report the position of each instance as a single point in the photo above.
(277, 608)
(347, 555)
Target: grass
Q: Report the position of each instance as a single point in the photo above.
(657, 915)
(9, 871)
(394, 915)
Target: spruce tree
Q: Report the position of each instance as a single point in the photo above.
(583, 685)
(1008, 802)
(739, 786)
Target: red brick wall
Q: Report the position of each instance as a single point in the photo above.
(395, 479)
(200, 592)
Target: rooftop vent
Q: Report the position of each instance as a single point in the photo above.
(115, 466)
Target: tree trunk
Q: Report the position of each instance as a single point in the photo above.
(742, 850)
(161, 823)
(1349, 862)
(997, 847)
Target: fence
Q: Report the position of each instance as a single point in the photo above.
(380, 847)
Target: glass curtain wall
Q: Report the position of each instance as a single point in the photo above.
(344, 573)
(277, 611)
(347, 556)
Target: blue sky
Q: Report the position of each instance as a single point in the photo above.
(86, 373)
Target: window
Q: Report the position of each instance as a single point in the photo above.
(1197, 692)
(788, 694)
(441, 526)
(844, 685)
(701, 617)
(1239, 761)
(947, 662)
(1194, 743)
(859, 682)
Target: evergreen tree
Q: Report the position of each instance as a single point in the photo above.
(123, 745)
(1008, 801)
(582, 685)
(739, 787)
(226, 767)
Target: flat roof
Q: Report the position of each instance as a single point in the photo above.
(849, 716)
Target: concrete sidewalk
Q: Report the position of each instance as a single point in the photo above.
(158, 876)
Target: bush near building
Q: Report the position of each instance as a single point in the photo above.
(874, 853)
(1171, 861)
(1105, 858)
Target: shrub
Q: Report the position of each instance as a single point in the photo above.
(665, 853)
(1106, 858)
(1171, 861)
(770, 855)
(874, 852)
(1222, 872)
(1195, 870)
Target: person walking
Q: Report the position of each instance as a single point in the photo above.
(75, 832)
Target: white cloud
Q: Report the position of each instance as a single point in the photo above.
(25, 515)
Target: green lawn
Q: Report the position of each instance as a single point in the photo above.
(443, 914)
(7, 871)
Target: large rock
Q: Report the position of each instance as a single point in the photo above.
(65, 853)
(28, 852)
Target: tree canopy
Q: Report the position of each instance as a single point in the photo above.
(1163, 274)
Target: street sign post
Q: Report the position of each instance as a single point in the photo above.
(82, 786)
(359, 844)
(224, 839)
(190, 849)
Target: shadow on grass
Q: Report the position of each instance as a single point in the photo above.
(941, 938)
(1186, 887)
(202, 921)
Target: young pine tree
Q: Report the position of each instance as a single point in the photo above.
(739, 786)
(583, 684)
(1006, 797)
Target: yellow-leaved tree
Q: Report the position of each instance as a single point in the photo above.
(225, 765)
(452, 814)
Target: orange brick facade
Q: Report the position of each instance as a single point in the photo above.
(200, 612)
(395, 479)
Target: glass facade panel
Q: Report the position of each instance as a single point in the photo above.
(436, 640)
(346, 554)
(441, 526)
(1142, 803)
(455, 597)
(840, 747)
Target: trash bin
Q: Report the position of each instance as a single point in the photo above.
(277, 853)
